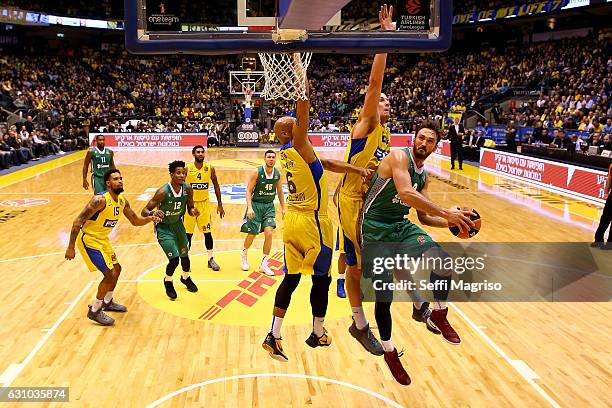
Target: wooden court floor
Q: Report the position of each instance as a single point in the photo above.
(512, 354)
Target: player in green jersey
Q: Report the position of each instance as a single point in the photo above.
(100, 159)
(260, 215)
(173, 200)
(399, 184)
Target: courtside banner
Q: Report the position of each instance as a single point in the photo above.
(342, 139)
(151, 140)
(561, 177)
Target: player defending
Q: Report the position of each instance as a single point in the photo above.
(263, 185)
(173, 199)
(101, 160)
(368, 145)
(308, 231)
(199, 176)
(90, 232)
(399, 184)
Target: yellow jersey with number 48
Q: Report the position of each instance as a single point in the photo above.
(198, 180)
(307, 183)
(102, 223)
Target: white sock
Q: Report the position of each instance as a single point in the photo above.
(108, 297)
(439, 305)
(96, 305)
(168, 278)
(277, 322)
(418, 305)
(244, 251)
(359, 317)
(210, 254)
(341, 276)
(264, 260)
(388, 345)
(185, 275)
(317, 326)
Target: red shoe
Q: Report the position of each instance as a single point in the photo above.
(438, 319)
(395, 365)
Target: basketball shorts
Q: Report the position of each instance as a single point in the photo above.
(97, 253)
(403, 231)
(202, 220)
(173, 239)
(349, 209)
(97, 184)
(339, 240)
(265, 216)
(308, 237)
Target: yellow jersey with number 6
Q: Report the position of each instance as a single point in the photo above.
(307, 183)
(102, 223)
(198, 180)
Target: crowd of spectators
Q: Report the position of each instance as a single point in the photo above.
(112, 90)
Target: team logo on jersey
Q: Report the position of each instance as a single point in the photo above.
(421, 239)
(397, 200)
(110, 223)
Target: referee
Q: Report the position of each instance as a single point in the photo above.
(606, 217)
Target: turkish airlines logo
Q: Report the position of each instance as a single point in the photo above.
(414, 6)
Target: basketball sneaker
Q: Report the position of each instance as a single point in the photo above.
(170, 292)
(597, 244)
(439, 321)
(100, 317)
(213, 265)
(113, 307)
(264, 268)
(274, 347)
(340, 292)
(189, 283)
(244, 262)
(323, 341)
(396, 367)
(422, 315)
(367, 339)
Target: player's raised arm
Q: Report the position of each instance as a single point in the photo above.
(369, 116)
(213, 178)
(301, 143)
(97, 203)
(397, 164)
(249, 194)
(134, 218)
(86, 165)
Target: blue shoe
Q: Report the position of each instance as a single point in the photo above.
(340, 290)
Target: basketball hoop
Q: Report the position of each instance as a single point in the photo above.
(285, 75)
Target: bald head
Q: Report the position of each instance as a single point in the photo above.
(283, 129)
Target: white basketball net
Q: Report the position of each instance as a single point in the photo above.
(285, 75)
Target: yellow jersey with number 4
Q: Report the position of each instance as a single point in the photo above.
(307, 183)
(102, 223)
(198, 180)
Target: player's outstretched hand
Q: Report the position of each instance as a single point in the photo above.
(220, 211)
(385, 16)
(458, 217)
(86, 184)
(69, 254)
(250, 213)
(159, 214)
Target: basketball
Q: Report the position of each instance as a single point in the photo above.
(473, 231)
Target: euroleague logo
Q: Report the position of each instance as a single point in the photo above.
(248, 136)
(25, 202)
(414, 6)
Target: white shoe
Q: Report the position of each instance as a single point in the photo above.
(264, 268)
(244, 262)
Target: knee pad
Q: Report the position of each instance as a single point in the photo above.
(186, 264)
(171, 267)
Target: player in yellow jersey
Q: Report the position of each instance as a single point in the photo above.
(368, 145)
(308, 231)
(90, 233)
(199, 176)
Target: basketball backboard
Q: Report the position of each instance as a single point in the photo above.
(247, 26)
